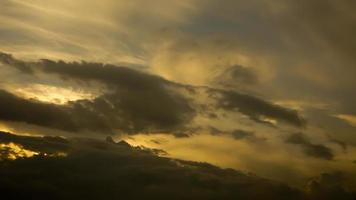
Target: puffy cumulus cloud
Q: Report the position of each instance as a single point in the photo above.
(310, 149)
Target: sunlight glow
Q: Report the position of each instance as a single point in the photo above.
(14, 151)
(351, 119)
(52, 94)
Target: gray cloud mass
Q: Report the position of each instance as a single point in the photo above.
(136, 101)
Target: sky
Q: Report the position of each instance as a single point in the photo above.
(264, 87)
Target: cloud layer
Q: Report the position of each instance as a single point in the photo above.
(134, 102)
(263, 85)
(109, 170)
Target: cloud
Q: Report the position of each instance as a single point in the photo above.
(310, 149)
(237, 75)
(330, 186)
(46, 145)
(67, 30)
(20, 65)
(330, 21)
(237, 134)
(133, 101)
(243, 134)
(262, 51)
(136, 102)
(256, 108)
(106, 170)
(109, 169)
(33, 112)
(143, 101)
(351, 119)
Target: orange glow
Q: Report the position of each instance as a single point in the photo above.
(15, 151)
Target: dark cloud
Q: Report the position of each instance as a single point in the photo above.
(104, 114)
(310, 149)
(95, 169)
(135, 101)
(256, 108)
(20, 65)
(99, 169)
(237, 76)
(306, 54)
(136, 110)
(14, 108)
(330, 186)
(47, 144)
(237, 134)
(116, 76)
(241, 134)
(247, 135)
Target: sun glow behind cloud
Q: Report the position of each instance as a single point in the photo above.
(52, 94)
(14, 151)
(287, 116)
(4, 128)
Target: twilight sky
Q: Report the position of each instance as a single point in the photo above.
(262, 86)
